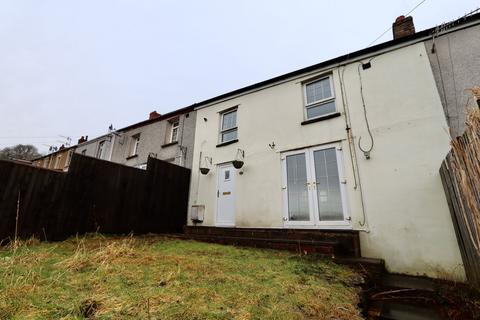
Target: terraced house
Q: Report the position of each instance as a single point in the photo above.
(57, 160)
(167, 137)
(349, 148)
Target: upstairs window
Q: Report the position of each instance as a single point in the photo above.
(228, 126)
(100, 148)
(174, 130)
(135, 144)
(58, 161)
(319, 98)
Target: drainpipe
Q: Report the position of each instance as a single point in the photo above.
(353, 153)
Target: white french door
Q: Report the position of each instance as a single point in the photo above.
(314, 192)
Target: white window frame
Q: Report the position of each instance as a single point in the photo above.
(314, 221)
(136, 143)
(321, 101)
(174, 125)
(223, 131)
(287, 222)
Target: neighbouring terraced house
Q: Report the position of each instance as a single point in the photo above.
(57, 160)
(352, 145)
(168, 137)
(99, 147)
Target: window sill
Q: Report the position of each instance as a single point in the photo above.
(169, 144)
(226, 143)
(321, 118)
(131, 157)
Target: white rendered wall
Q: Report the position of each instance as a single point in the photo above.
(409, 223)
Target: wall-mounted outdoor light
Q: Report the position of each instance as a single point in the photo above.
(239, 159)
(205, 166)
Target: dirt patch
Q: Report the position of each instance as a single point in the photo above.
(88, 308)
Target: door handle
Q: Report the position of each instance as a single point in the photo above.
(218, 193)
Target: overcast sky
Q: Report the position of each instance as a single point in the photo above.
(72, 68)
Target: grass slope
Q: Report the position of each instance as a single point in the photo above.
(160, 278)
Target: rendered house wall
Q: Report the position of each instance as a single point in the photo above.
(455, 62)
(408, 221)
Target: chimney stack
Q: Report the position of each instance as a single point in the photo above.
(403, 27)
(153, 115)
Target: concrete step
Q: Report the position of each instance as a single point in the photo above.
(408, 282)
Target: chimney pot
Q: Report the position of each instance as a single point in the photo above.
(403, 27)
(153, 115)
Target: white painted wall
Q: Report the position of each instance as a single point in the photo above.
(409, 223)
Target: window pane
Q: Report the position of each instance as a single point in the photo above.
(320, 110)
(174, 134)
(229, 120)
(318, 90)
(328, 185)
(229, 135)
(297, 188)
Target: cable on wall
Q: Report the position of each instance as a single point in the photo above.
(366, 151)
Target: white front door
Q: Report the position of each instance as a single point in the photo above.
(314, 192)
(226, 196)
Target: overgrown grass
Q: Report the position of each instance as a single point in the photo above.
(160, 278)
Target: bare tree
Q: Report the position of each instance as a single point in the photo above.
(20, 151)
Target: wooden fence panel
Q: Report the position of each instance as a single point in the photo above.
(94, 195)
(470, 255)
(460, 173)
